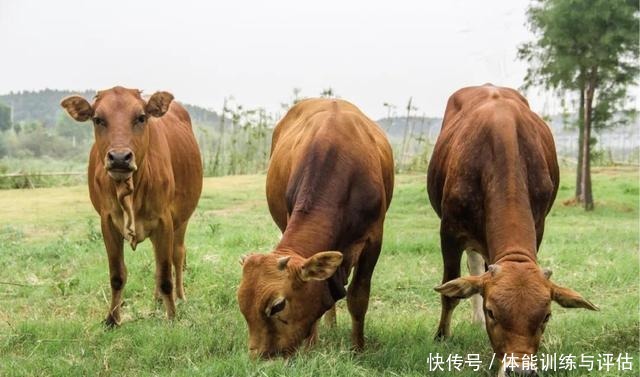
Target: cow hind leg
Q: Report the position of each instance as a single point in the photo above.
(358, 292)
(162, 239)
(451, 255)
(475, 263)
(114, 244)
(179, 260)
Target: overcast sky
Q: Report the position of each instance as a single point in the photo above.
(369, 52)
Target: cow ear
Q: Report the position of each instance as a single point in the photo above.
(461, 287)
(321, 266)
(158, 104)
(569, 298)
(78, 108)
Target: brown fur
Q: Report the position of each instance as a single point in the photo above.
(492, 179)
(156, 197)
(329, 184)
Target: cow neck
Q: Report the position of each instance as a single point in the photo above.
(510, 231)
(509, 223)
(515, 255)
(307, 234)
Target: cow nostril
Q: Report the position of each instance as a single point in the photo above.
(110, 156)
(128, 157)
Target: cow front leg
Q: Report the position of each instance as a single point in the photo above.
(162, 239)
(179, 260)
(359, 289)
(114, 244)
(451, 256)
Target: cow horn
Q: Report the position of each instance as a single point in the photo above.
(282, 262)
(494, 269)
(242, 259)
(547, 273)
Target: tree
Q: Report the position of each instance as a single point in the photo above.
(589, 47)
(71, 131)
(5, 117)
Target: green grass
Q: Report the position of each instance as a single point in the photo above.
(54, 288)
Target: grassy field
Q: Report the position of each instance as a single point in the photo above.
(54, 289)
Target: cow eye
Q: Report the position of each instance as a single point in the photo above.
(277, 307)
(99, 122)
(140, 119)
(490, 315)
(547, 318)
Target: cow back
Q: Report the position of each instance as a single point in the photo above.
(493, 151)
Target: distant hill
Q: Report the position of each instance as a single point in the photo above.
(44, 106)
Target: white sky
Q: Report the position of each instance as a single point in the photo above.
(369, 52)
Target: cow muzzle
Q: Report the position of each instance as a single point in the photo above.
(516, 368)
(120, 163)
(517, 371)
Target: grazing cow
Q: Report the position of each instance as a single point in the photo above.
(492, 180)
(329, 185)
(145, 179)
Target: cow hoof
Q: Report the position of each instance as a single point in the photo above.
(111, 323)
(358, 345)
(441, 336)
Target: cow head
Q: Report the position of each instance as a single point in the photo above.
(282, 297)
(120, 119)
(517, 305)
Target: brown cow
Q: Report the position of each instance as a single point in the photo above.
(145, 179)
(492, 180)
(329, 185)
